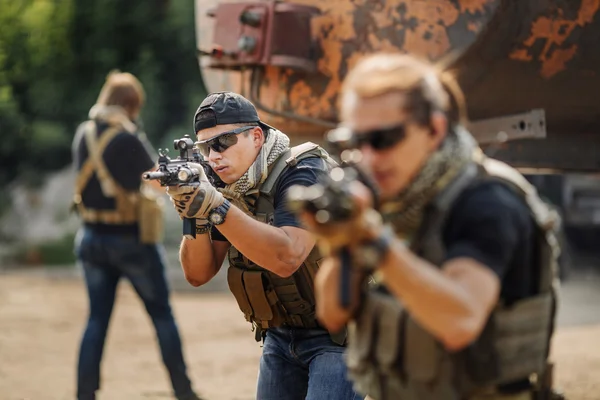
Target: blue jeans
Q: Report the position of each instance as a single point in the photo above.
(106, 258)
(299, 364)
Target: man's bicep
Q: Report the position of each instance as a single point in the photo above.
(220, 250)
(303, 241)
(478, 281)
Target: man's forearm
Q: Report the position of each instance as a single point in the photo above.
(438, 301)
(266, 245)
(198, 260)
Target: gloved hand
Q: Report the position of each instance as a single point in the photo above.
(197, 199)
(364, 225)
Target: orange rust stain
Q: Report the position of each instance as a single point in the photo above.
(302, 100)
(387, 15)
(432, 48)
(472, 6)
(382, 44)
(557, 61)
(521, 54)
(430, 14)
(432, 11)
(274, 80)
(555, 32)
(587, 11)
(337, 18)
(474, 26)
(549, 29)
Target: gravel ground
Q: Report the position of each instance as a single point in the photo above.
(42, 316)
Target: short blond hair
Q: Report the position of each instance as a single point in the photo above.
(124, 90)
(428, 89)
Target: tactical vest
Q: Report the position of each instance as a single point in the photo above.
(390, 356)
(266, 299)
(140, 206)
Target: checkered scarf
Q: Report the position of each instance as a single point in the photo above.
(406, 211)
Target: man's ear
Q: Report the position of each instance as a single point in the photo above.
(258, 136)
(439, 129)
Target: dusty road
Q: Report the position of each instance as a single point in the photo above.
(41, 320)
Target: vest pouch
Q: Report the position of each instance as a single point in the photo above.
(236, 286)
(361, 337)
(430, 371)
(422, 355)
(390, 336)
(522, 337)
(263, 299)
(359, 355)
(150, 217)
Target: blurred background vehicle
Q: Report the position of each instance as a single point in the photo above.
(528, 69)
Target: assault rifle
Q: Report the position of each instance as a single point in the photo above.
(174, 172)
(330, 200)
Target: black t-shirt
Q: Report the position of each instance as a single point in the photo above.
(491, 224)
(127, 156)
(305, 173)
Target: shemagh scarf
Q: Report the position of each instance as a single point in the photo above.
(406, 211)
(112, 115)
(244, 192)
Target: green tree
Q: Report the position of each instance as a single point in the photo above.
(55, 55)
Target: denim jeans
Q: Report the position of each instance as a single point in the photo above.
(299, 364)
(105, 258)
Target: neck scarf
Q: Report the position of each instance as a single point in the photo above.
(112, 115)
(406, 211)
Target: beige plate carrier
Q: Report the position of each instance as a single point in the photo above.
(142, 207)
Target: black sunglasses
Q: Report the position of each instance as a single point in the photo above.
(221, 142)
(380, 139)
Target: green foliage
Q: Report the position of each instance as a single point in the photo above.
(55, 56)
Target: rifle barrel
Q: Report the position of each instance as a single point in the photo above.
(148, 176)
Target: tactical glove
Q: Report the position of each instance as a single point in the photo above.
(197, 199)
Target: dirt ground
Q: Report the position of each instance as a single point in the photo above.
(41, 321)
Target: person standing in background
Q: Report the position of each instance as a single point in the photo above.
(121, 231)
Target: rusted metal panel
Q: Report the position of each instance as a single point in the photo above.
(530, 125)
(347, 30)
(537, 54)
(249, 34)
(556, 29)
(511, 56)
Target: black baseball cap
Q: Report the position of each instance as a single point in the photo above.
(228, 108)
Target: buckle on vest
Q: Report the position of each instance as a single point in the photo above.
(292, 161)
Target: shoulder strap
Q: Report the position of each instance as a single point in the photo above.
(290, 159)
(428, 240)
(95, 162)
(546, 218)
(542, 214)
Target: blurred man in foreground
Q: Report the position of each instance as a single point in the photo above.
(461, 248)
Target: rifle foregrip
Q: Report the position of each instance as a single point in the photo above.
(189, 228)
